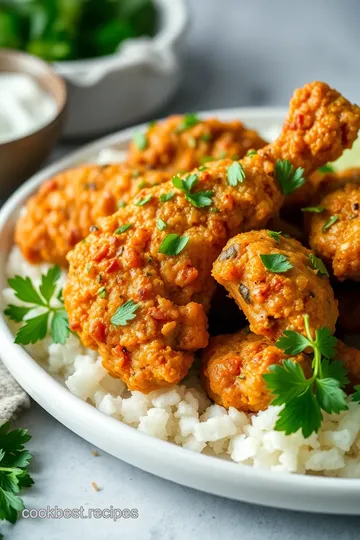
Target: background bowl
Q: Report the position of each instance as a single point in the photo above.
(114, 91)
(20, 158)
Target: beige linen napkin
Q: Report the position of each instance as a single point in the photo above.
(12, 397)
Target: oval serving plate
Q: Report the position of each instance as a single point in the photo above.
(164, 459)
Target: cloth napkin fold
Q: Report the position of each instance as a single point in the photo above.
(13, 399)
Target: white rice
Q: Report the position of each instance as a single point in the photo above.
(184, 415)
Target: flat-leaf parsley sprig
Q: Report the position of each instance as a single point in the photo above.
(44, 300)
(305, 399)
(14, 459)
(199, 199)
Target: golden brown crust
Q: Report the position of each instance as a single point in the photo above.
(61, 213)
(339, 244)
(274, 302)
(233, 368)
(177, 150)
(174, 293)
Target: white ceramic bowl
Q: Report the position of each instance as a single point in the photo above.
(209, 474)
(110, 92)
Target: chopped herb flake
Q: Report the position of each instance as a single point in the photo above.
(173, 244)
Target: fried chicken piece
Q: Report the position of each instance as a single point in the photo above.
(347, 294)
(233, 367)
(334, 234)
(275, 301)
(178, 144)
(61, 213)
(173, 292)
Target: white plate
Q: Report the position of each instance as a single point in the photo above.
(210, 474)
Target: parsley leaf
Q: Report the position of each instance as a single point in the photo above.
(276, 263)
(275, 235)
(330, 222)
(292, 342)
(36, 328)
(166, 197)
(160, 224)
(123, 228)
(173, 244)
(143, 201)
(199, 199)
(325, 342)
(326, 169)
(330, 396)
(316, 209)
(288, 178)
(140, 140)
(235, 174)
(286, 381)
(124, 313)
(301, 413)
(251, 153)
(318, 265)
(188, 121)
(14, 460)
(335, 370)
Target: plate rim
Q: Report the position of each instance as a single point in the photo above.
(288, 491)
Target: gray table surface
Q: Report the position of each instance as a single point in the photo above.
(239, 53)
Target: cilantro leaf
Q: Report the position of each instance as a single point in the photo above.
(275, 235)
(286, 381)
(334, 370)
(124, 313)
(33, 330)
(330, 222)
(143, 201)
(25, 290)
(160, 224)
(48, 282)
(166, 196)
(316, 209)
(276, 263)
(326, 168)
(302, 413)
(173, 244)
(288, 178)
(188, 121)
(325, 342)
(17, 313)
(292, 342)
(330, 396)
(123, 228)
(235, 174)
(140, 140)
(59, 328)
(200, 199)
(318, 265)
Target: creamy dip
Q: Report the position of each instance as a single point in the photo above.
(24, 106)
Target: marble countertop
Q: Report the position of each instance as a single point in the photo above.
(239, 53)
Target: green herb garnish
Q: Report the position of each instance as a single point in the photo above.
(316, 209)
(251, 153)
(102, 292)
(318, 265)
(121, 204)
(303, 398)
(140, 140)
(206, 137)
(160, 224)
(36, 328)
(330, 222)
(276, 263)
(143, 201)
(326, 169)
(188, 121)
(123, 228)
(166, 197)
(124, 313)
(288, 178)
(275, 235)
(235, 174)
(199, 199)
(173, 244)
(14, 476)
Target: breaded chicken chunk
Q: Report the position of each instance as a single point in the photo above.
(140, 286)
(182, 143)
(334, 233)
(61, 213)
(233, 367)
(275, 282)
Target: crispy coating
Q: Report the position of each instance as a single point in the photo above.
(175, 149)
(338, 244)
(347, 294)
(174, 292)
(233, 367)
(61, 213)
(274, 302)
